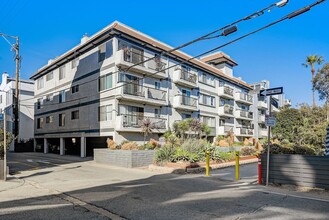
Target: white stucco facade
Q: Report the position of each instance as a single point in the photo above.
(26, 106)
(97, 90)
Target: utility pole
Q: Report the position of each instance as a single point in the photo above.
(16, 103)
(15, 47)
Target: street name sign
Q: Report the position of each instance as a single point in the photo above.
(273, 91)
(270, 121)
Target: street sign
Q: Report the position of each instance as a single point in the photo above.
(274, 103)
(1, 116)
(270, 121)
(273, 91)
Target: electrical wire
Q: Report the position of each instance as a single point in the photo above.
(289, 16)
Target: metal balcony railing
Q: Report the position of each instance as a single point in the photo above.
(133, 89)
(228, 109)
(134, 57)
(137, 121)
(228, 91)
(245, 97)
(190, 101)
(246, 114)
(187, 76)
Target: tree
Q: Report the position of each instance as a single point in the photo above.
(311, 61)
(288, 122)
(147, 128)
(321, 85)
(9, 139)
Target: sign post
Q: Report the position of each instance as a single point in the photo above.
(270, 122)
(3, 118)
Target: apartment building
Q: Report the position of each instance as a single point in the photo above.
(26, 107)
(101, 89)
(261, 107)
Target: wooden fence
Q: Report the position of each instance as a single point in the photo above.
(300, 170)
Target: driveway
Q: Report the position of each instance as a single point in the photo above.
(71, 188)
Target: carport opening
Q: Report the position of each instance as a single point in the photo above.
(53, 145)
(95, 142)
(39, 145)
(72, 146)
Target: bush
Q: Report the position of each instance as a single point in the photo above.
(111, 144)
(290, 149)
(181, 155)
(164, 154)
(129, 146)
(193, 146)
(226, 155)
(246, 151)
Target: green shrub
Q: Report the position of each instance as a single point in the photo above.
(193, 145)
(246, 151)
(216, 155)
(289, 149)
(164, 154)
(181, 155)
(226, 155)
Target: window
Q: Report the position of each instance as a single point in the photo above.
(185, 116)
(39, 103)
(207, 100)
(49, 97)
(61, 120)
(0, 98)
(49, 76)
(39, 123)
(105, 113)
(109, 49)
(49, 119)
(75, 89)
(62, 72)
(157, 85)
(75, 63)
(101, 53)
(62, 96)
(210, 121)
(105, 82)
(40, 83)
(157, 113)
(75, 115)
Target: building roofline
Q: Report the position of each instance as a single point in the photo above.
(117, 26)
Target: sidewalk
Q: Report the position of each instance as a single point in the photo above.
(11, 183)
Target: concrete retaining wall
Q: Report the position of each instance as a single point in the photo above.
(300, 170)
(230, 149)
(124, 158)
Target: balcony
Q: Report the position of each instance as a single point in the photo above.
(246, 132)
(154, 67)
(224, 129)
(185, 78)
(262, 105)
(243, 98)
(137, 93)
(134, 123)
(244, 115)
(261, 118)
(227, 92)
(262, 132)
(226, 110)
(185, 103)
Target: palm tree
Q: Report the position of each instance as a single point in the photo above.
(311, 61)
(147, 128)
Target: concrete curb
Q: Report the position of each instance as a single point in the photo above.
(161, 169)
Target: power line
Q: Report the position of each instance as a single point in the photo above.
(289, 16)
(228, 29)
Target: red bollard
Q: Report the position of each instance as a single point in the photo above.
(260, 182)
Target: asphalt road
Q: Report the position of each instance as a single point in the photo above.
(68, 188)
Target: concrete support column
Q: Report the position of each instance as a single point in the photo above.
(83, 147)
(61, 146)
(45, 146)
(34, 144)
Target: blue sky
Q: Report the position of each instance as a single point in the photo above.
(49, 28)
